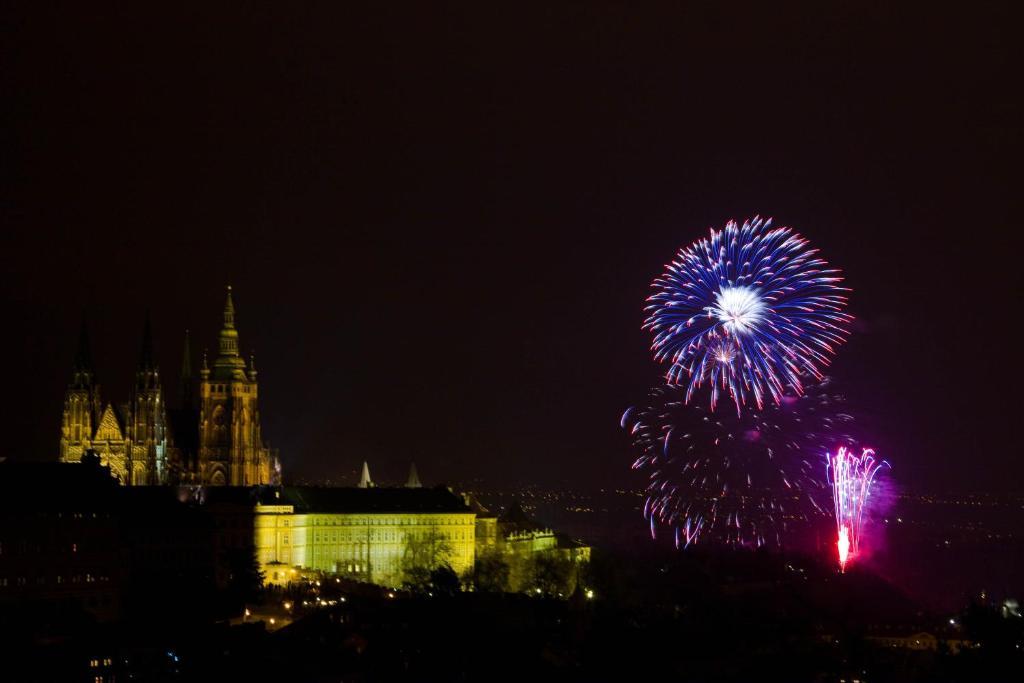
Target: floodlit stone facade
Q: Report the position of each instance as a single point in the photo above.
(372, 547)
(379, 535)
(143, 441)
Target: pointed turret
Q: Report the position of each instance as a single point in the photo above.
(414, 478)
(83, 373)
(147, 377)
(364, 480)
(229, 364)
(145, 417)
(81, 402)
(185, 381)
(146, 356)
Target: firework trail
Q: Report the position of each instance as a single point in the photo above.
(735, 479)
(748, 311)
(851, 477)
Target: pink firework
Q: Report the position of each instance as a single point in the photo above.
(851, 477)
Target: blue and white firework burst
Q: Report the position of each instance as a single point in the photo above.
(736, 479)
(747, 311)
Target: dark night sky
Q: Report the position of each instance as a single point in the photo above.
(441, 223)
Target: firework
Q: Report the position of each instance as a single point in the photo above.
(748, 311)
(734, 479)
(851, 477)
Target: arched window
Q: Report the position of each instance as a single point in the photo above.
(220, 427)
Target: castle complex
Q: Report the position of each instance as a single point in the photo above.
(210, 445)
(143, 441)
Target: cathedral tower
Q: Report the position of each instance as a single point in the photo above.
(131, 439)
(81, 403)
(147, 418)
(231, 449)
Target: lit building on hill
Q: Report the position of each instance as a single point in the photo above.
(212, 450)
(367, 534)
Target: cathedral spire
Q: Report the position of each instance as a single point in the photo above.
(83, 373)
(83, 355)
(414, 478)
(229, 312)
(146, 356)
(186, 374)
(364, 480)
(229, 363)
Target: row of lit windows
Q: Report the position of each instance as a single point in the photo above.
(386, 535)
(410, 520)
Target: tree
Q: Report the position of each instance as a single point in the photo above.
(423, 554)
(491, 572)
(245, 580)
(552, 573)
(444, 580)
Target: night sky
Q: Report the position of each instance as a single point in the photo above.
(440, 223)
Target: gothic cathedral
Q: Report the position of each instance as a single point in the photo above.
(144, 441)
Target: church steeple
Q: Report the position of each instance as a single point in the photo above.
(83, 373)
(229, 362)
(146, 422)
(81, 403)
(364, 479)
(231, 448)
(414, 478)
(146, 356)
(185, 381)
(147, 377)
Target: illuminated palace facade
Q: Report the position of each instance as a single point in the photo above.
(377, 535)
(144, 441)
(368, 534)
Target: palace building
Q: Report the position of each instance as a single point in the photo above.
(144, 441)
(373, 535)
(377, 535)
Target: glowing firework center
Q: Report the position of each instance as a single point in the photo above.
(739, 309)
(750, 311)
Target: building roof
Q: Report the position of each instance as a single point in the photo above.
(515, 519)
(369, 500)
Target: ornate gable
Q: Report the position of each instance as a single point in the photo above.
(110, 428)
